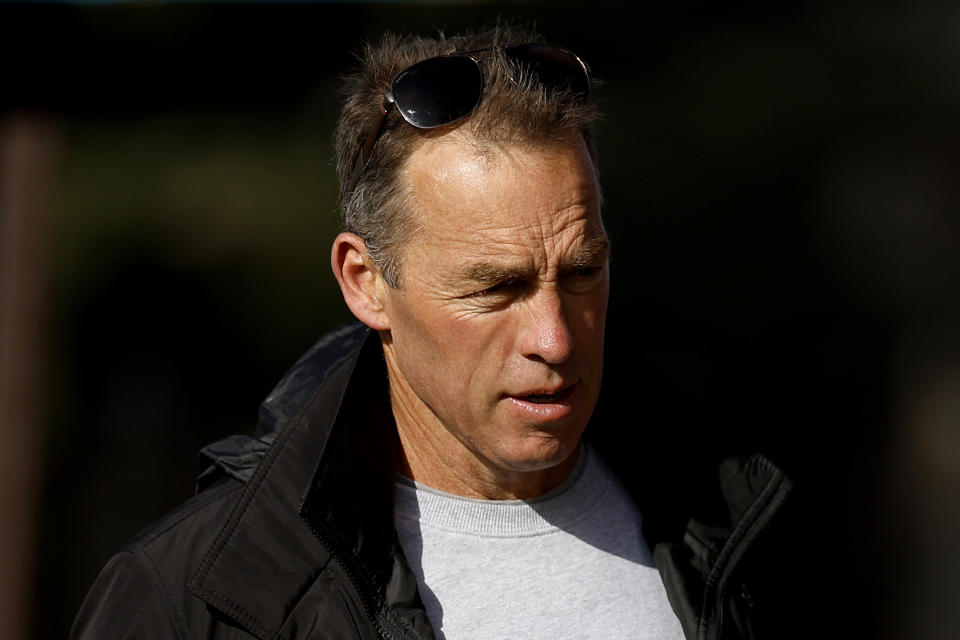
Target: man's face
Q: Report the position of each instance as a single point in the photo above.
(495, 347)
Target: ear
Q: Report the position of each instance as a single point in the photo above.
(361, 283)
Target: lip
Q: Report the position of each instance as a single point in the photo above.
(556, 409)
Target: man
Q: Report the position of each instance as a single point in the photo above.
(430, 478)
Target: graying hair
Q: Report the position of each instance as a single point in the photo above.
(514, 110)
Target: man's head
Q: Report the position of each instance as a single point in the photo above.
(493, 327)
(513, 110)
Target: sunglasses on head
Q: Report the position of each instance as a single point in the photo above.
(441, 90)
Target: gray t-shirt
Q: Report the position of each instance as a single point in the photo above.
(569, 564)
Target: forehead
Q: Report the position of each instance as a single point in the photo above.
(536, 202)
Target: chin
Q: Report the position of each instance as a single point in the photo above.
(542, 456)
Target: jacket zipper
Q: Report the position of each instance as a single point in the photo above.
(355, 582)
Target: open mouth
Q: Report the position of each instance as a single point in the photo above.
(546, 398)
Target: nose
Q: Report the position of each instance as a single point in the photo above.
(545, 335)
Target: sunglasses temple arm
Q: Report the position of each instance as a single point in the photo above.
(364, 156)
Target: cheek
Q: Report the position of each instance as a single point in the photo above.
(600, 315)
(476, 354)
(440, 350)
(592, 315)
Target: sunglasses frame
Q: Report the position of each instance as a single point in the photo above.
(389, 101)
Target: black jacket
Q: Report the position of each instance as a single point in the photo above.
(291, 533)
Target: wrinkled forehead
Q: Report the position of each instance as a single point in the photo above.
(533, 205)
(454, 181)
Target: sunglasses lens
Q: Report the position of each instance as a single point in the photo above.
(556, 68)
(438, 91)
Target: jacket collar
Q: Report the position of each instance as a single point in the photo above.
(321, 492)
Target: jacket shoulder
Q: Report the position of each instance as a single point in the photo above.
(142, 590)
(233, 560)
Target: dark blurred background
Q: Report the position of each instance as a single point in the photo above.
(782, 190)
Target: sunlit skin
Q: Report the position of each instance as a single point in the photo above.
(494, 339)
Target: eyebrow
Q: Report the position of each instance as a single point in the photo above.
(593, 250)
(486, 273)
(489, 274)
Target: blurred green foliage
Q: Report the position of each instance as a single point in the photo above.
(202, 191)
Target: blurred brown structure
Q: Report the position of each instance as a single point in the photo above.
(30, 151)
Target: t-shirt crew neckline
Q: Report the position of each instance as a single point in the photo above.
(561, 507)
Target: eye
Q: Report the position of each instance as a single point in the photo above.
(499, 293)
(586, 272)
(584, 278)
(499, 287)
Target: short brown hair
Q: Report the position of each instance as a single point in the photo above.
(512, 111)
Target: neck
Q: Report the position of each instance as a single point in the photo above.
(465, 474)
